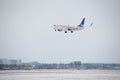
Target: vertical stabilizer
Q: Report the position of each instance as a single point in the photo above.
(82, 23)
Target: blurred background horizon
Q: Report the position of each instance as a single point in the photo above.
(26, 31)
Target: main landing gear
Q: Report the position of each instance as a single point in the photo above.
(65, 31)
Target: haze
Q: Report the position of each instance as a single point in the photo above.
(26, 30)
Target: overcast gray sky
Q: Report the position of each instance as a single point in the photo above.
(26, 32)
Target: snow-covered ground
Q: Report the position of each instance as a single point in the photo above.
(60, 75)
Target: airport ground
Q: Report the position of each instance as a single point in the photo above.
(60, 75)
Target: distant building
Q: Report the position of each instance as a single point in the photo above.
(10, 62)
(15, 62)
(5, 61)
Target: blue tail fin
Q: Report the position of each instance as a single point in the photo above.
(82, 23)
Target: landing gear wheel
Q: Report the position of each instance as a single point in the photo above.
(71, 31)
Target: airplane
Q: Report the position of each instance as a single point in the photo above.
(70, 28)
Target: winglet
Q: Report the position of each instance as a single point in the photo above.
(82, 23)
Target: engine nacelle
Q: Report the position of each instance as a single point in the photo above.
(59, 29)
(70, 29)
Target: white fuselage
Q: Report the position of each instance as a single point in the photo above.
(66, 28)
